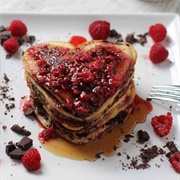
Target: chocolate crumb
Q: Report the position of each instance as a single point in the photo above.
(127, 138)
(150, 153)
(4, 127)
(143, 38)
(20, 130)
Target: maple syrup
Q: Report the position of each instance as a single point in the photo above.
(107, 143)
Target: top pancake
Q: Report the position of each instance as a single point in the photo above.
(82, 78)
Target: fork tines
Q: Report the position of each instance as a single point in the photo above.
(169, 93)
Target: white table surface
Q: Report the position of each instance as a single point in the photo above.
(89, 6)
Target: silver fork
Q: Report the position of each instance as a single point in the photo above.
(170, 93)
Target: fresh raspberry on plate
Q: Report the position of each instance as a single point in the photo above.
(174, 159)
(99, 30)
(11, 45)
(157, 32)
(158, 53)
(31, 160)
(162, 124)
(17, 28)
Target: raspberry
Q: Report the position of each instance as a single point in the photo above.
(47, 134)
(158, 53)
(31, 160)
(157, 32)
(11, 45)
(162, 124)
(175, 161)
(99, 30)
(17, 28)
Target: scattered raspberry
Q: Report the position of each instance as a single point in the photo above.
(11, 45)
(162, 124)
(47, 134)
(158, 53)
(17, 28)
(76, 40)
(99, 30)
(175, 161)
(31, 160)
(157, 32)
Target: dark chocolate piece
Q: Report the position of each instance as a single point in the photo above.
(16, 154)
(172, 148)
(32, 39)
(131, 39)
(25, 143)
(4, 35)
(10, 147)
(2, 28)
(143, 136)
(20, 130)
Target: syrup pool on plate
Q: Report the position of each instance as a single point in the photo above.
(106, 143)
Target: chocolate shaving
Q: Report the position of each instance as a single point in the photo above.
(20, 130)
(150, 153)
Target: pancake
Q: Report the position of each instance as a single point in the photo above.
(82, 91)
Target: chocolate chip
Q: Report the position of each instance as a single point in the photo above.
(25, 143)
(143, 136)
(16, 154)
(20, 130)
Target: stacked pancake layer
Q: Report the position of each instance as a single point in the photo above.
(82, 91)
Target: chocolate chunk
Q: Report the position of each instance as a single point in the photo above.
(115, 34)
(32, 39)
(25, 143)
(20, 130)
(2, 28)
(172, 148)
(131, 39)
(16, 154)
(10, 147)
(143, 136)
(4, 35)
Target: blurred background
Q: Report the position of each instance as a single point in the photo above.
(90, 6)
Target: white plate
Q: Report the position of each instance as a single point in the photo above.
(62, 27)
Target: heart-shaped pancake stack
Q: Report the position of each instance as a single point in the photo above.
(82, 91)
